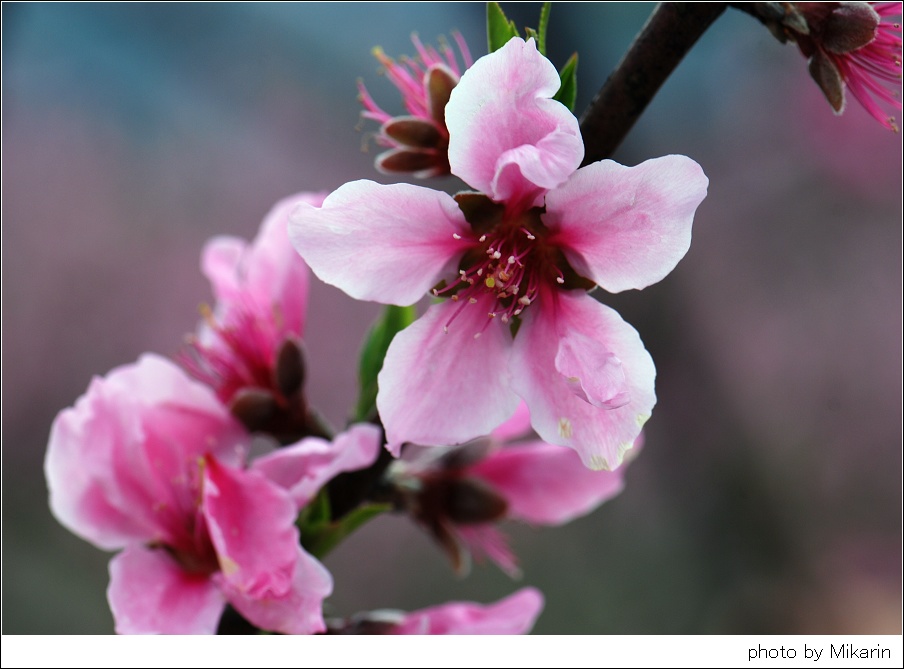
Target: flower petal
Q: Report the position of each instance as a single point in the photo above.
(303, 468)
(593, 374)
(150, 593)
(251, 524)
(388, 244)
(119, 463)
(516, 426)
(506, 135)
(441, 388)
(266, 275)
(626, 227)
(601, 436)
(297, 611)
(515, 614)
(546, 484)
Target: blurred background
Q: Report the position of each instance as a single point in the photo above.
(768, 496)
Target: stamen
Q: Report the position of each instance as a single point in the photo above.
(483, 238)
(472, 300)
(455, 235)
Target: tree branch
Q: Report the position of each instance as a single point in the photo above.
(670, 32)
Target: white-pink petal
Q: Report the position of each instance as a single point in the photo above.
(516, 426)
(265, 278)
(297, 611)
(119, 463)
(251, 522)
(592, 373)
(507, 137)
(515, 614)
(441, 388)
(149, 593)
(600, 435)
(626, 227)
(303, 468)
(546, 484)
(387, 244)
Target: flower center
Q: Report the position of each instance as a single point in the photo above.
(510, 261)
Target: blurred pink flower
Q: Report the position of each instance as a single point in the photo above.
(853, 45)
(248, 348)
(515, 264)
(418, 143)
(515, 614)
(151, 462)
(459, 494)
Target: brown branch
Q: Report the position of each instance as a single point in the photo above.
(670, 32)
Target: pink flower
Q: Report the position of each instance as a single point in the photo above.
(151, 462)
(515, 264)
(418, 143)
(515, 614)
(458, 494)
(853, 45)
(248, 348)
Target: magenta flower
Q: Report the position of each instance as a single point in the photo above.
(151, 462)
(418, 143)
(853, 45)
(515, 263)
(248, 349)
(515, 614)
(459, 494)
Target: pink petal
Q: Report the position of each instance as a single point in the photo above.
(119, 463)
(388, 244)
(515, 614)
(299, 610)
(516, 426)
(546, 484)
(626, 227)
(150, 593)
(600, 435)
(303, 468)
(592, 373)
(252, 527)
(465, 380)
(219, 259)
(507, 136)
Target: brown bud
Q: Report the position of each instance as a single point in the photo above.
(851, 26)
(289, 372)
(413, 132)
(470, 501)
(824, 73)
(440, 82)
(254, 407)
(421, 163)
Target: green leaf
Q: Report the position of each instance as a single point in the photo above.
(499, 29)
(320, 540)
(541, 28)
(568, 91)
(393, 320)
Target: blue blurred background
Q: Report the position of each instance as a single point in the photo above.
(768, 497)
